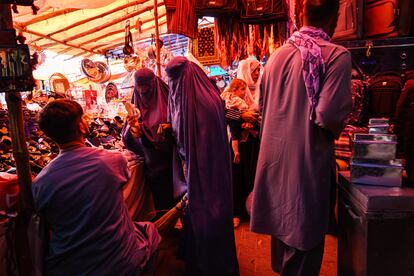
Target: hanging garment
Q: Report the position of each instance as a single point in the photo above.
(181, 17)
(263, 11)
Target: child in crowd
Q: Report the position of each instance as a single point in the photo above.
(234, 98)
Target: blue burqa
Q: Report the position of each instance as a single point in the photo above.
(157, 150)
(196, 113)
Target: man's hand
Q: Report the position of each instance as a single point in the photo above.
(135, 127)
(250, 116)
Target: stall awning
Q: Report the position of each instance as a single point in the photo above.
(87, 28)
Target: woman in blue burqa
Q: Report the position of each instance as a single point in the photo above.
(151, 98)
(196, 113)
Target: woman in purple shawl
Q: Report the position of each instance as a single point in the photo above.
(151, 98)
(196, 113)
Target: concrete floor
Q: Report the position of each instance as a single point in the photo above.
(253, 252)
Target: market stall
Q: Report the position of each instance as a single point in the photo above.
(89, 51)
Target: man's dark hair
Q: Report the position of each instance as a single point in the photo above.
(60, 119)
(319, 12)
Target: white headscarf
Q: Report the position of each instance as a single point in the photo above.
(244, 72)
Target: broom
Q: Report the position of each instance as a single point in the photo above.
(167, 222)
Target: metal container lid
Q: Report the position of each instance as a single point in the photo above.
(379, 125)
(365, 137)
(379, 121)
(395, 163)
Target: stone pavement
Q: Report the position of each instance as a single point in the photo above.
(253, 252)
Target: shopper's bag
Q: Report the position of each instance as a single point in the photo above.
(350, 20)
(381, 18)
(263, 11)
(384, 91)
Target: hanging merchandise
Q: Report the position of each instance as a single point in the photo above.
(263, 11)
(89, 68)
(104, 71)
(111, 92)
(129, 44)
(59, 83)
(349, 25)
(406, 17)
(384, 90)
(181, 17)
(90, 97)
(381, 18)
(132, 63)
(95, 71)
(217, 7)
(204, 48)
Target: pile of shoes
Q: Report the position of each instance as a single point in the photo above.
(105, 133)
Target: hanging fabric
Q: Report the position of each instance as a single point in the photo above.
(181, 17)
(263, 11)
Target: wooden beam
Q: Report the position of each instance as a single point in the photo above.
(64, 51)
(87, 20)
(119, 44)
(24, 29)
(48, 16)
(110, 24)
(111, 33)
(157, 38)
(79, 54)
(47, 45)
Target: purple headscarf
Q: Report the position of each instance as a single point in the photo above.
(196, 112)
(312, 61)
(152, 104)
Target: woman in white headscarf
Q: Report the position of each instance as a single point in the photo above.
(244, 172)
(249, 71)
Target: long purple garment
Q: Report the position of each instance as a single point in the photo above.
(293, 186)
(197, 117)
(152, 105)
(79, 194)
(157, 150)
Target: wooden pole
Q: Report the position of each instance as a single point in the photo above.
(21, 157)
(157, 39)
